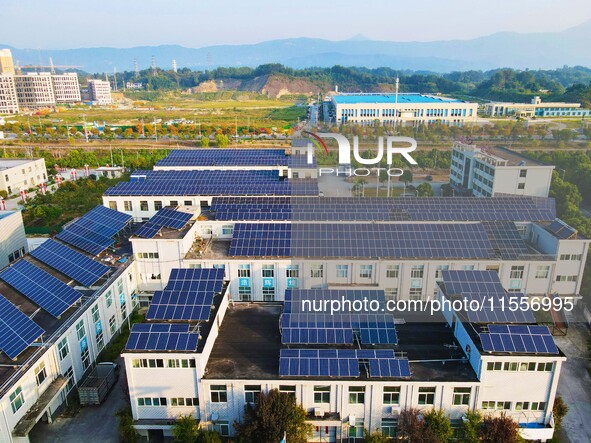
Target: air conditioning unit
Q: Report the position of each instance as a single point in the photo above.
(351, 420)
(318, 412)
(395, 410)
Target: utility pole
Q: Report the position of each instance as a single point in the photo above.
(111, 149)
(155, 130)
(85, 131)
(396, 103)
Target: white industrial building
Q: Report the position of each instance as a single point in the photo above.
(535, 109)
(35, 90)
(8, 97)
(17, 174)
(487, 171)
(13, 241)
(66, 87)
(100, 92)
(404, 108)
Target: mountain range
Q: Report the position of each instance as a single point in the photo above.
(543, 50)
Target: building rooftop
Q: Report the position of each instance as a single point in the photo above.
(499, 156)
(7, 163)
(249, 344)
(404, 98)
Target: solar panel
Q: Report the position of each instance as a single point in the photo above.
(188, 295)
(505, 239)
(17, 331)
(562, 230)
(171, 218)
(148, 230)
(345, 363)
(42, 288)
(527, 339)
(224, 157)
(471, 281)
(162, 337)
(85, 240)
(69, 262)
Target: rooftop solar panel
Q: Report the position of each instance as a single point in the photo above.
(506, 239)
(476, 282)
(17, 331)
(188, 295)
(69, 262)
(148, 230)
(42, 288)
(171, 218)
(162, 337)
(527, 339)
(224, 157)
(562, 230)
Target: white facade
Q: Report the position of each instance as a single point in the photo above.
(535, 109)
(21, 174)
(13, 241)
(8, 97)
(385, 109)
(100, 92)
(487, 172)
(35, 90)
(66, 87)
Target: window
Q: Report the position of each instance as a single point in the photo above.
(571, 278)
(427, 396)
(95, 313)
(69, 374)
(527, 366)
(293, 271)
(40, 373)
(287, 389)
(317, 271)
(391, 293)
(268, 271)
(180, 401)
(494, 366)
(188, 203)
(415, 293)
(157, 205)
(219, 394)
(439, 271)
(224, 427)
(468, 267)
(392, 271)
(187, 363)
(356, 431)
(112, 325)
(542, 271)
(127, 205)
(252, 393)
(461, 396)
(80, 333)
(143, 205)
(174, 203)
(109, 298)
(268, 294)
(173, 363)
(244, 271)
(342, 271)
(389, 427)
(151, 401)
(391, 395)
(538, 406)
(17, 399)
(521, 406)
(244, 293)
(85, 357)
(520, 185)
(510, 366)
(517, 272)
(545, 367)
(227, 229)
(321, 394)
(356, 395)
(63, 349)
(113, 205)
(523, 173)
(206, 230)
(417, 271)
(365, 271)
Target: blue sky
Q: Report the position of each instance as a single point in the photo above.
(62, 24)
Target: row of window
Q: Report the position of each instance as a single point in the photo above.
(519, 366)
(148, 255)
(144, 205)
(162, 363)
(163, 401)
(574, 257)
(519, 405)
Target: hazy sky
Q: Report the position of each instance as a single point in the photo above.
(60, 24)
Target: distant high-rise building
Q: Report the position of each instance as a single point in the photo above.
(66, 87)
(100, 91)
(6, 64)
(34, 90)
(8, 97)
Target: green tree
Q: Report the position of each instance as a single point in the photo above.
(127, 432)
(425, 190)
(204, 142)
(437, 426)
(206, 436)
(472, 425)
(406, 176)
(185, 429)
(559, 410)
(410, 425)
(222, 140)
(375, 437)
(499, 429)
(275, 413)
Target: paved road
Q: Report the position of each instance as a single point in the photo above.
(575, 385)
(93, 424)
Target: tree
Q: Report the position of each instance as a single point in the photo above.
(204, 142)
(410, 425)
(222, 140)
(559, 410)
(275, 413)
(499, 429)
(206, 436)
(127, 432)
(425, 190)
(375, 437)
(472, 425)
(406, 176)
(437, 426)
(185, 429)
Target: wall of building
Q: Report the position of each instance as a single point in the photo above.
(8, 97)
(13, 241)
(23, 175)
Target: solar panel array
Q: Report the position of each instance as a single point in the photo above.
(69, 262)
(42, 288)
(188, 295)
(94, 231)
(401, 240)
(341, 363)
(225, 157)
(299, 325)
(527, 339)
(562, 230)
(165, 217)
(162, 337)
(213, 182)
(513, 208)
(17, 331)
(505, 239)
